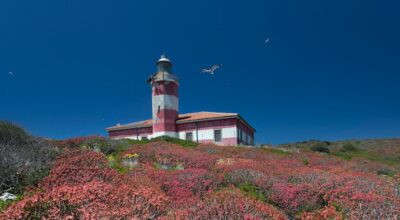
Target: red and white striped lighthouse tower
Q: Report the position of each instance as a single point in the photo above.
(165, 100)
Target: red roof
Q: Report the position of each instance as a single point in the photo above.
(200, 116)
(182, 118)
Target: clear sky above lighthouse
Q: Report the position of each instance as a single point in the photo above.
(329, 71)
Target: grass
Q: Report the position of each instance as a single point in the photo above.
(114, 161)
(342, 155)
(183, 143)
(386, 172)
(113, 148)
(5, 204)
(276, 151)
(252, 191)
(348, 155)
(384, 151)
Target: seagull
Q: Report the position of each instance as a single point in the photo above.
(212, 69)
(11, 73)
(267, 40)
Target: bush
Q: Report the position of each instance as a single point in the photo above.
(185, 187)
(5, 204)
(105, 145)
(24, 159)
(183, 143)
(252, 191)
(12, 134)
(171, 156)
(212, 182)
(320, 147)
(82, 186)
(296, 198)
(349, 147)
(172, 140)
(73, 142)
(386, 172)
(328, 212)
(78, 167)
(230, 203)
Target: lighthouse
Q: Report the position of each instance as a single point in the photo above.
(165, 100)
(202, 127)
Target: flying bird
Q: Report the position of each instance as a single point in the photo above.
(212, 69)
(11, 73)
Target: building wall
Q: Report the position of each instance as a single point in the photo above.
(233, 132)
(165, 106)
(165, 121)
(245, 134)
(164, 133)
(203, 132)
(131, 133)
(228, 135)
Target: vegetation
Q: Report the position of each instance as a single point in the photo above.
(105, 145)
(172, 140)
(383, 151)
(24, 159)
(386, 172)
(5, 204)
(320, 147)
(90, 180)
(349, 147)
(252, 191)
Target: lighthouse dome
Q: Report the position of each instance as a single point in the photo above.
(163, 58)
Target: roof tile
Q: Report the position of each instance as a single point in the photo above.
(182, 118)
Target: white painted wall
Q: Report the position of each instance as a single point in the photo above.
(164, 133)
(165, 102)
(208, 134)
(204, 134)
(133, 137)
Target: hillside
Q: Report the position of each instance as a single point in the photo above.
(99, 178)
(381, 151)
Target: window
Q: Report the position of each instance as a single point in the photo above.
(189, 136)
(217, 135)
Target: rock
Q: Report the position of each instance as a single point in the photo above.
(129, 162)
(8, 196)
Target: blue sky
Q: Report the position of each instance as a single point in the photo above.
(330, 71)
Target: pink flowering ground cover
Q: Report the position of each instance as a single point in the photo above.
(207, 182)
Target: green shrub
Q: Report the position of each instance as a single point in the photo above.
(24, 159)
(12, 134)
(386, 172)
(183, 143)
(138, 142)
(320, 147)
(105, 145)
(252, 191)
(349, 147)
(5, 204)
(343, 155)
